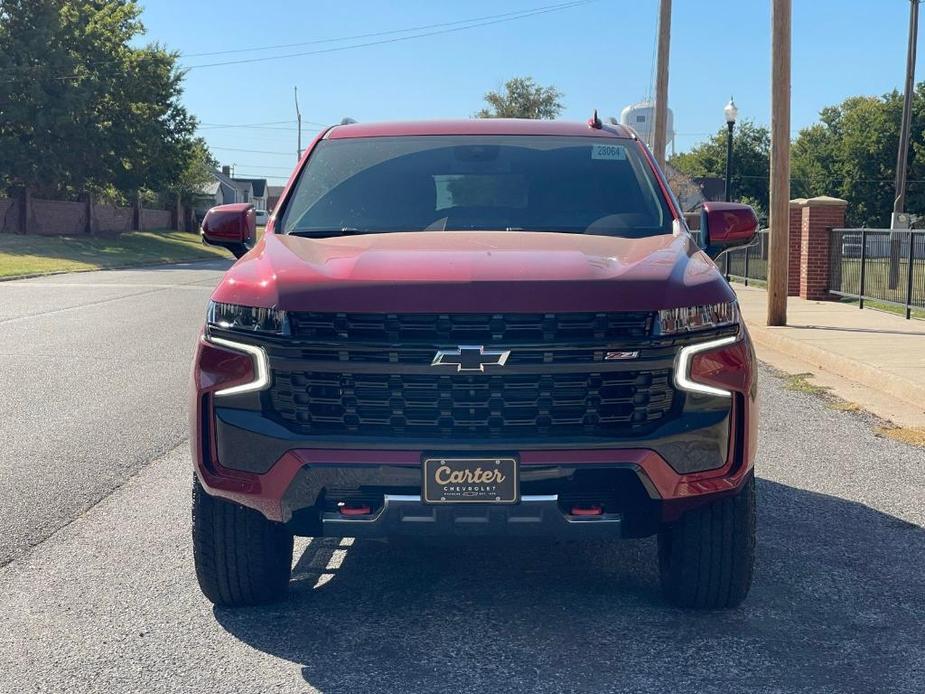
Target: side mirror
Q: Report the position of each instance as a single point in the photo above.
(231, 226)
(726, 225)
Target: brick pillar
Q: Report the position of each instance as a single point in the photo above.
(91, 225)
(137, 220)
(795, 238)
(820, 216)
(176, 213)
(27, 221)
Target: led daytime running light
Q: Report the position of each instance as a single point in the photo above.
(261, 367)
(682, 369)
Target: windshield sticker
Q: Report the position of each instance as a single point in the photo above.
(608, 152)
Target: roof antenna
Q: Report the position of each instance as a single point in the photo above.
(595, 121)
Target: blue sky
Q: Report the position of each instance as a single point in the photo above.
(599, 54)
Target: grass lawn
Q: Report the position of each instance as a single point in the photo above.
(28, 255)
(887, 308)
(876, 280)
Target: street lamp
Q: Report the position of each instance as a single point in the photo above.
(730, 111)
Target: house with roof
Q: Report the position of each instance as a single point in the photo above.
(274, 193)
(222, 190)
(227, 190)
(258, 191)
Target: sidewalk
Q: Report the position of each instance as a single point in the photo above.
(878, 350)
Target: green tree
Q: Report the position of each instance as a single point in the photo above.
(851, 153)
(198, 165)
(81, 107)
(521, 97)
(751, 148)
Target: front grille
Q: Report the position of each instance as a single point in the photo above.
(433, 329)
(478, 406)
(425, 356)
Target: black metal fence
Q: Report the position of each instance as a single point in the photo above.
(749, 263)
(879, 265)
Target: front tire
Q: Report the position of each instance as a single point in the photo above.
(241, 558)
(706, 558)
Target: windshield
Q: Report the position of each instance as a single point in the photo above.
(466, 183)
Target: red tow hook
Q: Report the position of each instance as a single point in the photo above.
(592, 510)
(354, 509)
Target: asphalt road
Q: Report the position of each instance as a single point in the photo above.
(95, 368)
(109, 602)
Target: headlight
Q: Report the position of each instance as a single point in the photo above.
(247, 318)
(675, 321)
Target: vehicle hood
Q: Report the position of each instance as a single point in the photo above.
(474, 272)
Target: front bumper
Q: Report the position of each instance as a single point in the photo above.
(641, 488)
(534, 515)
(243, 456)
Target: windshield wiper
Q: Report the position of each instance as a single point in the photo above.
(324, 233)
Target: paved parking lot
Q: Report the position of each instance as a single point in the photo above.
(109, 603)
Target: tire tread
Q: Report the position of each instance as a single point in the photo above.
(706, 558)
(241, 558)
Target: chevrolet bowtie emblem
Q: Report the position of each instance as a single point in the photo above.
(471, 357)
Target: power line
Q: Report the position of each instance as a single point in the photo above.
(249, 138)
(250, 151)
(406, 30)
(271, 125)
(205, 125)
(263, 166)
(804, 179)
(254, 175)
(334, 49)
(652, 59)
(469, 24)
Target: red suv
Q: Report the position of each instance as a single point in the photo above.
(479, 327)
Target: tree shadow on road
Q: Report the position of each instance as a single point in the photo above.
(837, 605)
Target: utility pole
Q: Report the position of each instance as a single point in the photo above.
(779, 252)
(898, 220)
(298, 116)
(899, 204)
(661, 82)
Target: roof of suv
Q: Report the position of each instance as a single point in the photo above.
(477, 126)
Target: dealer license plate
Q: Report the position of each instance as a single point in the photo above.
(470, 480)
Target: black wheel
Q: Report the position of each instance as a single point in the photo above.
(241, 557)
(706, 558)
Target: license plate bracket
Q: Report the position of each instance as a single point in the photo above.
(485, 480)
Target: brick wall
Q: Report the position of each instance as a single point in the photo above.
(111, 220)
(58, 217)
(795, 240)
(62, 217)
(155, 219)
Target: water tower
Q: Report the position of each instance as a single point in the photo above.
(641, 118)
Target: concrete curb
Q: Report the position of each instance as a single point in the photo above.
(847, 368)
(130, 266)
